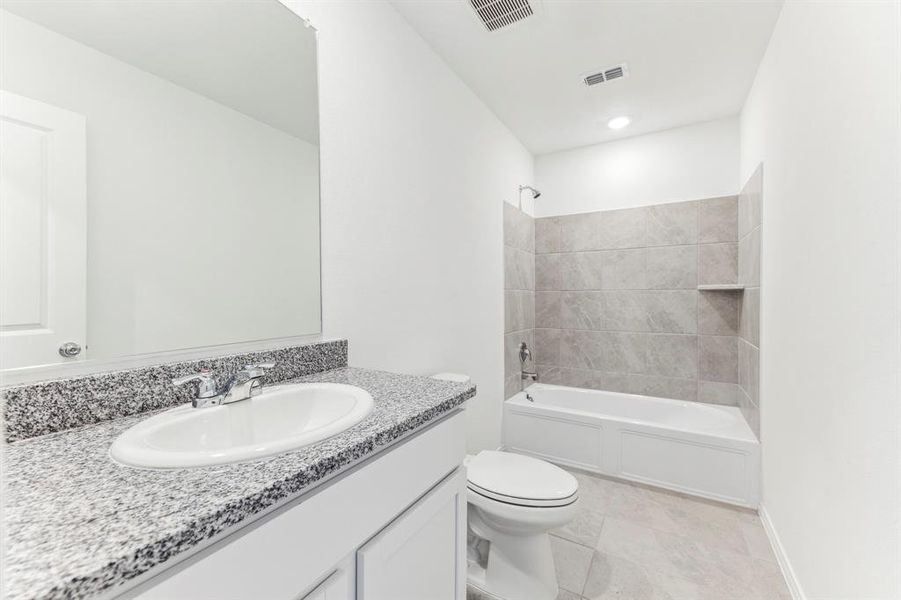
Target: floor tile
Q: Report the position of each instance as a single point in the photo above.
(641, 545)
(611, 577)
(746, 577)
(474, 593)
(757, 541)
(660, 545)
(585, 528)
(709, 523)
(638, 505)
(571, 561)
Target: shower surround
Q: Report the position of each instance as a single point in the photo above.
(749, 233)
(519, 292)
(616, 304)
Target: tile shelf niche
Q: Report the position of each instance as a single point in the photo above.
(721, 287)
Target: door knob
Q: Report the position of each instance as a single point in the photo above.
(69, 350)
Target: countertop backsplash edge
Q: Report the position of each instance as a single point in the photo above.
(34, 409)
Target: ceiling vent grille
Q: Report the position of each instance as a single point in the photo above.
(617, 72)
(497, 14)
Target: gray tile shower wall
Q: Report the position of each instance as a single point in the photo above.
(50, 406)
(617, 305)
(749, 230)
(519, 291)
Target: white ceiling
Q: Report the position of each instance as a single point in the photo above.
(689, 61)
(255, 57)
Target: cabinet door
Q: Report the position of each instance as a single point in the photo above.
(421, 554)
(337, 586)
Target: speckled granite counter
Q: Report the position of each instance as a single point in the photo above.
(77, 523)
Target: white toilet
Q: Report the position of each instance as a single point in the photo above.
(514, 501)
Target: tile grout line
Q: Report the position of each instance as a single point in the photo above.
(600, 372)
(651, 247)
(594, 554)
(632, 331)
(697, 307)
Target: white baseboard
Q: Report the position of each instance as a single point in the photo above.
(794, 586)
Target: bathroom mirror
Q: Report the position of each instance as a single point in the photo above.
(160, 177)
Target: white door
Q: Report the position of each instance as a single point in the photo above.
(421, 554)
(42, 232)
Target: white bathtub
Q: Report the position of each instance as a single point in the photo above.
(700, 449)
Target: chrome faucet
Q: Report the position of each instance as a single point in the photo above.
(244, 384)
(524, 355)
(530, 375)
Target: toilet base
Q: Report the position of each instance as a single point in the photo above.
(518, 567)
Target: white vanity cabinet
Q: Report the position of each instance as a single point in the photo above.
(390, 528)
(339, 585)
(418, 556)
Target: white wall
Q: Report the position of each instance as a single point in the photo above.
(189, 204)
(414, 172)
(686, 163)
(831, 306)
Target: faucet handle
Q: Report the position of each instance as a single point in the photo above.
(207, 387)
(524, 352)
(258, 370)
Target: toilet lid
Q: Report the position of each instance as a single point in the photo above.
(521, 480)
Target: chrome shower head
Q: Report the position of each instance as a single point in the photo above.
(535, 193)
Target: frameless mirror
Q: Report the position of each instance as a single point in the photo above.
(159, 177)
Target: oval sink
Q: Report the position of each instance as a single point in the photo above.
(282, 418)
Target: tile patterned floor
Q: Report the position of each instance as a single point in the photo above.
(631, 542)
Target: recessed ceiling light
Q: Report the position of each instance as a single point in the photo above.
(618, 122)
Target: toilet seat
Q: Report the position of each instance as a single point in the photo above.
(524, 502)
(520, 480)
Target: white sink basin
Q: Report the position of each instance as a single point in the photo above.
(282, 418)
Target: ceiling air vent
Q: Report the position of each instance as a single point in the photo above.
(497, 14)
(617, 72)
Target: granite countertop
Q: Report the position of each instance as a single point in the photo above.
(76, 523)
